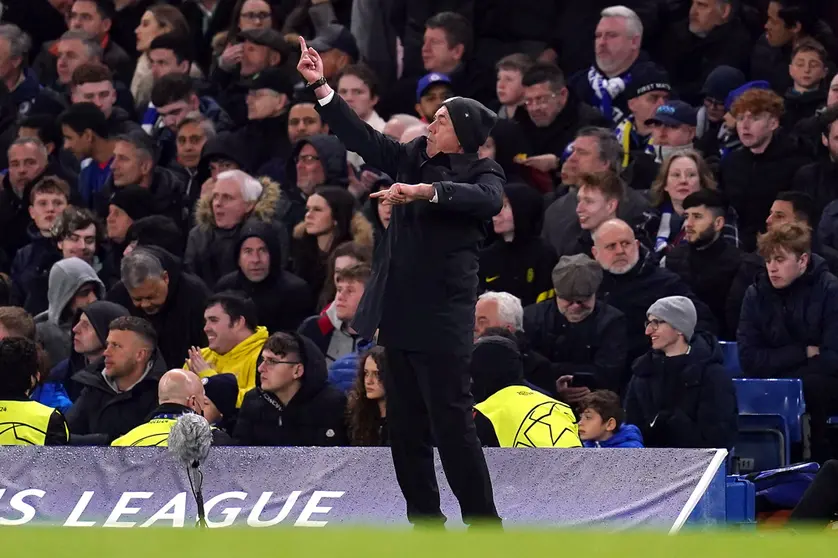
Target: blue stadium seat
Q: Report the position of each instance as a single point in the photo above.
(770, 415)
(740, 501)
(730, 352)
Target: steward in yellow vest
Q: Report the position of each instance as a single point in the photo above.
(509, 413)
(24, 422)
(179, 392)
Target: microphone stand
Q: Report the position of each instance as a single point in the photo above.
(197, 491)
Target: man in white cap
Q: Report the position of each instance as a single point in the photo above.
(681, 396)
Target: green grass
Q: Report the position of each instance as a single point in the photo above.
(397, 543)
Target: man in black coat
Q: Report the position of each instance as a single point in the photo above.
(155, 287)
(423, 290)
(293, 405)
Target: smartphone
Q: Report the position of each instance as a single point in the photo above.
(585, 379)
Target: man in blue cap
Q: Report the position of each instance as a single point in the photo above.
(673, 128)
(431, 91)
(421, 297)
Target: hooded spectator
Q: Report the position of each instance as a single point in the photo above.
(72, 285)
(236, 199)
(155, 287)
(710, 120)
(681, 396)
(318, 160)
(294, 405)
(519, 262)
(282, 299)
(331, 219)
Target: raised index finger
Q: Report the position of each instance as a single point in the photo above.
(303, 47)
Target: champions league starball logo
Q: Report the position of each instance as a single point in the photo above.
(546, 421)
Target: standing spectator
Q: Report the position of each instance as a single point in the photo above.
(155, 287)
(294, 405)
(235, 341)
(236, 198)
(713, 36)
(519, 262)
(788, 325)
(752, 177)
(681, 396)
(577, 333)
(122, 390)
(34, 424)
(509, 86)
(282, 299)
(366, 406)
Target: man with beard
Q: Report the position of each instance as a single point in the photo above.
(707, 263)
(632, 282)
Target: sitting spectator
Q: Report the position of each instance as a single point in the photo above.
(707, 263)
(519, 262)
(331, 219)
(87, 137)
(673, 128)
(121, 390)
(345, 255)
(752, 177)
(179, 392)
(366, 406)
(377, 213)
(681, 174)
(432, 90)
(681, 396)
(602, 423)
(154, 230)
(503, 403)
(93, 83)
(711, 127)
(820, 179)
(237, 198)
(282, 299)
(47, 201)
(235, 341)
(294, 405)
(598, 198)
(503, 146)
(509, 86)
(155, 287)
(193, 133)
(90, 330)
(788, 325)
(46, 128)
(807, 70)
(126, 206)
(577, 333)
(398, 124)
(331, 331)
(72, 285)
(221, 392)
(632, 282)
(34, 424)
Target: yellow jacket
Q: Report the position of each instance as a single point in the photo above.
(241, 361)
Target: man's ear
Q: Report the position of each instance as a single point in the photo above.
(824, 140)
(194, 102)
(718, 223)
(459, 51)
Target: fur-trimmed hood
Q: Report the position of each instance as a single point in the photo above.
(265, 209)
(360, 229)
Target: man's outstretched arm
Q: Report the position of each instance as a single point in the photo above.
(378, 150)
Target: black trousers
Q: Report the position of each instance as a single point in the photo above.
(429, 399)
(820, 501)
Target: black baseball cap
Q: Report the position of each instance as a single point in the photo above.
(275, 79)
(336, 36)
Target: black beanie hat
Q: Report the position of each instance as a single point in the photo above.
(100, 314)
(472, 122)
(223, 391)
(136, 201)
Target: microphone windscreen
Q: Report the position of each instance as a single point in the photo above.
(190, 439)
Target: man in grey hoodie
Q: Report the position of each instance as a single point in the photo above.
(73, 284)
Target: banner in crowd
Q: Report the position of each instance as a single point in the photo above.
(315, 487)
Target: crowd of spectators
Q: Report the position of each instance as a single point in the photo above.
(174, 208)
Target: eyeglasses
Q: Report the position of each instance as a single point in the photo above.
(307, 158)
(274, 362)
(538, 101)
(714, 102)
(653, 323)
(256, 16)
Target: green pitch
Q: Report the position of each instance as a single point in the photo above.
(397, 543)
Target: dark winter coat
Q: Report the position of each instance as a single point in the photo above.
(265, 139)
(522, 267)
(776, 325)
(558, 135)
(799, 106)
(180, 321)
(282, 299)
(596, 345)
(315, 416)
(687, 401)
(424, 284)
(167, 196)
(101, 410)
(819, 180)
(752, 181)
(709, 272)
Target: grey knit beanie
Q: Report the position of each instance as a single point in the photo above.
(677, 311)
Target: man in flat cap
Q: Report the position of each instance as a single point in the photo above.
(423, 290)
(580, 335)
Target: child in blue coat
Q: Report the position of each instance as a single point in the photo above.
(601, 423)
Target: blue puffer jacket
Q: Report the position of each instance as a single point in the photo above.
(627, 436)
(342, 372)
(52, 394)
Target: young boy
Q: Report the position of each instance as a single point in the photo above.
(601, 423)
(807, 69)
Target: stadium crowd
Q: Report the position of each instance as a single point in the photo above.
(180, 231)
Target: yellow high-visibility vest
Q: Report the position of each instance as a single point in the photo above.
(523, 418)
(152, 433)
(25, 423)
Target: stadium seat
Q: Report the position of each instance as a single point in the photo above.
(730, 353)
(740, 501)
(770, 413)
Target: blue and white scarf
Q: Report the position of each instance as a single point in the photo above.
(606, 90)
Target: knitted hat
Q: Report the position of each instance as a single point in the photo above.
(677, 311)
(721, 81)
(472, 122)
(136, 201)
(223, 391)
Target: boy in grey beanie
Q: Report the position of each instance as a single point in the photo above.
(677, 311)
